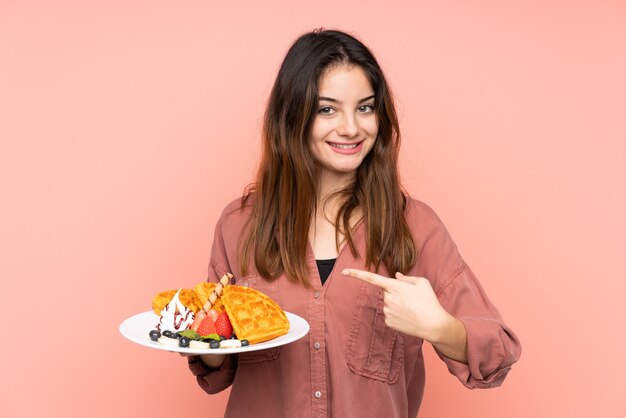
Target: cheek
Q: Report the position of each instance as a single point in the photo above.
(372, 131)
(372, 128)
(315, 132)
(319, 131)
(316, 139)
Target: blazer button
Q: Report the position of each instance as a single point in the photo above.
(318, 394)
(317, 345)
(316, 294)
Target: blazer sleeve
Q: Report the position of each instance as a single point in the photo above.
(214, 380)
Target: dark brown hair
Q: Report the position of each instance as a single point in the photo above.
(285, 190)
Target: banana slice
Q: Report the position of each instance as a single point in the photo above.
(230, 344)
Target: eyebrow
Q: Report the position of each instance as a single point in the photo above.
(330, 99)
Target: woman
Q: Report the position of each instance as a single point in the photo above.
(327, 232)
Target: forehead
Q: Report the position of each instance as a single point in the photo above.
(344, 79)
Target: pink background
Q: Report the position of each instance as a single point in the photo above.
(127, 126)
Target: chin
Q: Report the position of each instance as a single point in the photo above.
(343, 169)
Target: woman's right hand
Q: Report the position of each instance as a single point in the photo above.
(211, 360)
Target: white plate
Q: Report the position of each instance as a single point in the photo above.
(136, 329)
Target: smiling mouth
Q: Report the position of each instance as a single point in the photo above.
(344, 146)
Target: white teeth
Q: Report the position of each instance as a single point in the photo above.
(343, 146)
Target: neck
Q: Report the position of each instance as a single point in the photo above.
(325, 236)
(329, 183)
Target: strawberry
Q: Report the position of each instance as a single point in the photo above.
(223, 326)
(206, 327)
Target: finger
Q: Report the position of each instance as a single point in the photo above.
(367, 276)
(408, 279)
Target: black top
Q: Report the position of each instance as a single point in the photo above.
(325, 267)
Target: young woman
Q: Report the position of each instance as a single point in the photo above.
(328, 233)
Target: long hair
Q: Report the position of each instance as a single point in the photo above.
(285, 191)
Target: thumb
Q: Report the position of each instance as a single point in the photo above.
(408, 279)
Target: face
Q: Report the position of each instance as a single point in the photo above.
(345, 126)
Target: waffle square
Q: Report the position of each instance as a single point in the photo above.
(254, 316)
(187, 297)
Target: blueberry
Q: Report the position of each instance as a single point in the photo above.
(155, 335)
(183, 342)
(167, 333)
(222, 338)
(245, 343)
(233, 337)
(175, 335)
(214, 344)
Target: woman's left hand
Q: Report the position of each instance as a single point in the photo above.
(411, 307)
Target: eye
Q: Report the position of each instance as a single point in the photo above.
(326, 110)
(366, 108)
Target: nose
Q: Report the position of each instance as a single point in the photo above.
(349, 126)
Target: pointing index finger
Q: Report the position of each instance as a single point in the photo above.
(367, 276)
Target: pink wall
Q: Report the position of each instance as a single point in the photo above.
(126, 126)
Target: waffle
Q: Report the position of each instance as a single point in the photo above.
(187, 297)
(254, 316)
